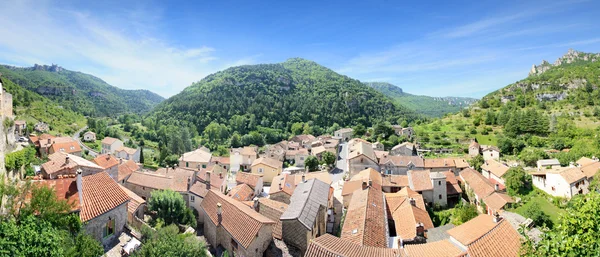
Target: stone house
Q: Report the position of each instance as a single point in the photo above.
(494, 170)
(319, 150)
(99, 200)
(306, 215)
(394, 183)
(20, 127)
(496, 202)
(199, 158)
(474, 148)
(267, 167)
(255, 181)
(197, 193)
(296, 157)
(366, 221)
(242, 158)
(273, 210)
(440, 165)
(360, 157)
(70, 147)
(44, 144)
(345, 134)
(400, 165)
(479, 185)
(136, 206)
(235, 226)
(378, 146)
(60, 164)
(304, 140)
(548, 164)
(178, 180)
(408, 217)
(242, 193)
(283, 186)
(561, 181)
(110, 164)
(128, 153)
(126, 168)
(404, 149)
(490, 152)
(89, 136)
(111, 145)
(432, 185)
(222, 161)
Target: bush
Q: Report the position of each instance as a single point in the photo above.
(540, 218)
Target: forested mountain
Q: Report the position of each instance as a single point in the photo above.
(80, 92)
(427, 105)
(34, 108)
(276, 96)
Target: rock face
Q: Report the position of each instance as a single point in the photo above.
(570, 57)
(551, 96)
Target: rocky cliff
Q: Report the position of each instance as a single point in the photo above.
(571, 56)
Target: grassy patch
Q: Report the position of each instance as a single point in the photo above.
(547, 207)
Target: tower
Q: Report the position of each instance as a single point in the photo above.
(440, 196)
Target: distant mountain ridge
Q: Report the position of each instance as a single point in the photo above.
(572, 56)
(428, 105)
(80, 92)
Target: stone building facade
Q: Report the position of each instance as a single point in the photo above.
(96, 227)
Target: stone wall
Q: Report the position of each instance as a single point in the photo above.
(95, 227)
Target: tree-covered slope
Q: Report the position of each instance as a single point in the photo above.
(80, 92)
(33, 108)
(427, 105)
(277, 95)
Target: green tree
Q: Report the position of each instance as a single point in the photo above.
(463, 212)
(170, 207)
(142, 144)
(167, 241)
(236, 140)
(85, 246)
(476, 162)
(312, 163)
(328, 158)
(359, 130)
(535, 213)
(517, 181)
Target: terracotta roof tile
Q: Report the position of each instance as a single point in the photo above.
(501, 241)
(407, 216)
(134, 200)
(419, 180)
(109, 140)
(366, 221)
(583, 161)
(495, 167)
(461, 163)
(100, 194)
(126, 168)
(452, 186)
(332, 246)
(248, 178)
(288, 182)
(175, 180)
(57, 162)
(402, 161)
(273, 210)
(106, 161)
(497, 201)
(591, 169)
(473, 229)
(359, 148)
(241, 192)
(439, 163)
(269, 162)
(239, 220)
(395, 181)
(573, 175)
(198, 155)
(199, 189)
(66, 189)
(481, 186)
(67, 147)
(130, 151)
(443, 248)
(221, 159)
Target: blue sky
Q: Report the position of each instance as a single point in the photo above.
(445, 48)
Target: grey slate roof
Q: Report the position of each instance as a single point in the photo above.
(304, 204)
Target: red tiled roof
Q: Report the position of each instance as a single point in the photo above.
(242, 222)
(175, 180)
(473, 229)
(289, 182)
(241, 192)
(332, 246)
(67, 147)
(495, 167)
(572, 175)
(365, 222)
(106, 161)
(402, 161)
(419, 180)
(126, 168)
(406, 218)
(481, 186)
(100, 194)
(57, 162)
(591, 169)
(583, 161)
(395, 181)
(443, 248)
(134, 200)
(497, 201)
(220, 159)
(439, 163)
(66, 189)
(248, 178)
(199, 189)
(109, 140)
(268, 161)
(501, 241)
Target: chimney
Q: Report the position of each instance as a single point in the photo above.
(420, 229)
(121, 161)
(303, 178)
(497, 187)
(364, 184)
(219, 214)
(370, 182)
(189, 183)
(497, 217)
(256, 207)
(412, 201)
(79, 182)
(67, 159)
(220, 174)
(207, 178)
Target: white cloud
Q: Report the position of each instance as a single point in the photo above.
(126, 58)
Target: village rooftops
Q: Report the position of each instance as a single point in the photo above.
(247, 178)
(420, 180)
(569, 174)
(366, 220)
(443, 248)
(395, 181)
(590, 169)
(176, 180)
(287, 182)
(60, 161)
(100, 195)
(439, 163)
(496, 201)
(402, 161)
(134, 200)
(361, 148)
(241, 192)
(306, 201)
(238, 219)
(126, 168)
(269, 162)
(332, 246)
(480, 185)
(106, 161)
(198, 155)
(199, 189)
(407, 216)
(483, 236)
(276, 209)
(583, 161)
(109, 140)
(67, 147)
(495, 167)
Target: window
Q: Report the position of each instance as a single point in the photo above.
(260, 170)
(234, 245)
(187, 164)
(440, 197)
(204, 166)
(439, 183)
(109, 228)
(192, 198)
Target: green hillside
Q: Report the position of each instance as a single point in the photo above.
(81, 92)
(427, 105)
(34, 108)
(278, 95)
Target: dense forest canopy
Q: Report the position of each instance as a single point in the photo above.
(80, 92)
(277, 96)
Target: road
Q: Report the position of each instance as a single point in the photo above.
(342, 164)
(76, 137)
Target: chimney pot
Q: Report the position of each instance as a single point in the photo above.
(497, 187)
(256, 206)
(497, 217)
(303, 178)
(412, 201)
(79, 182)
(67, 159)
